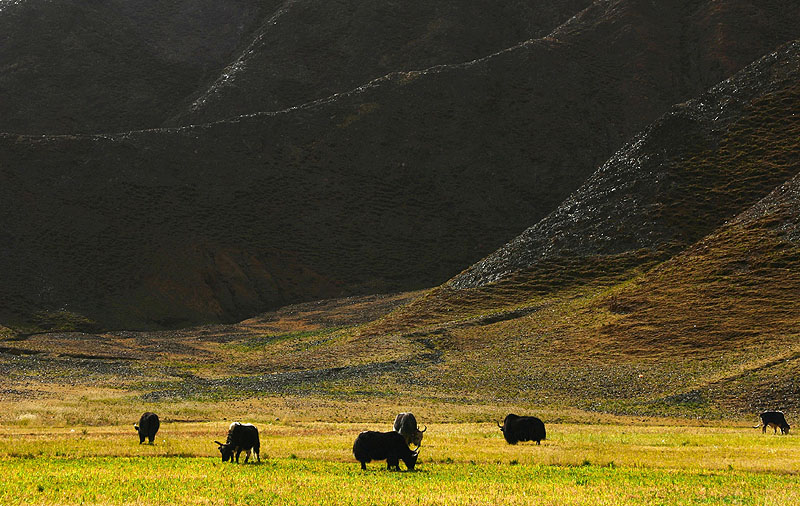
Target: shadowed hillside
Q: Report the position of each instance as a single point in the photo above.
(694, 168)
(346, 43)
(701, 321)
(311, 49)
(709, 333)
(394, 186)
(71, 66)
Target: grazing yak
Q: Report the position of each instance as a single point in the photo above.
(406, 425)
(147, 427)
(390, 446)
(522, 428)
(241, 437)
(774, 419)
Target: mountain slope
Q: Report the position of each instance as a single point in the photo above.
(73, 66)
(310, 49)
(397, 185)
(682, 177)
(343, 44)
(709, 333)
(687, 306)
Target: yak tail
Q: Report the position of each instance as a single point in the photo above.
(757, 426)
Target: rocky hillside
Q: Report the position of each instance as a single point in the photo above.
(678, 180)
(702, 329)
(711, 333)
(395, 185)
(735, 289)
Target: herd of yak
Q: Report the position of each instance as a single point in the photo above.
(395, 445)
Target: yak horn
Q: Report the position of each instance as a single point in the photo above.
(498, 424)
(219, 443)
(423, 430)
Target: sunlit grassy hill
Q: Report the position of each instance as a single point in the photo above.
(709, 333)
(734, 292)
(645, 288)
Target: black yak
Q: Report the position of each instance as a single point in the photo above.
(406, 425)
(147, 427)
(522, 428)
(241, 437)
(390, 446)
(774, 419)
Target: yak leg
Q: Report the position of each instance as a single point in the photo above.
(247, 455)
(363, 465)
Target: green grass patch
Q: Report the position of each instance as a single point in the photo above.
(460, 463)
(176, 480)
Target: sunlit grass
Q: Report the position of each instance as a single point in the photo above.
(460, 463)
(171, 480)
(651, 446)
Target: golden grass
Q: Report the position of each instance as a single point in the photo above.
(677, 447)
(460, 463)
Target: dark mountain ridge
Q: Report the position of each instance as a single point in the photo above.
(86, 67)
(71, 66)
(310, 50)
(395, 185)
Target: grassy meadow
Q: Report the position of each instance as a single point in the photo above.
(619, 461)
(649, 391)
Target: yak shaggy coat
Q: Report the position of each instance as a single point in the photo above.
(241, 437)
(389, 446)
(522, 428)
(147, 427)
